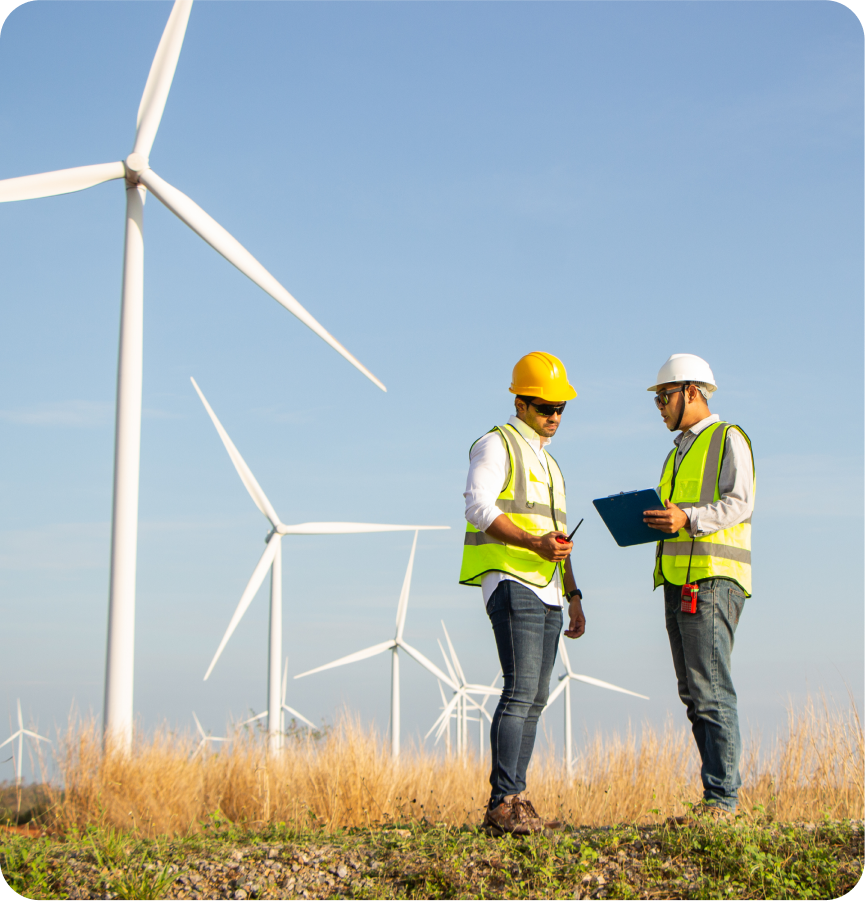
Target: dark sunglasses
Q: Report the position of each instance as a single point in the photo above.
(549, 409)
(662, 399)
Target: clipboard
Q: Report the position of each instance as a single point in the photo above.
(623, 515)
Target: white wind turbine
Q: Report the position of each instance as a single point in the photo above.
(393, 645)
(565, 686)
(140, 178)
(20, 736)
(461, 701)
(284, 708)
(271, 560)
(205, 737)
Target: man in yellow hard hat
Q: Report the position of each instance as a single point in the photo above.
(516, 550)
(707, 486)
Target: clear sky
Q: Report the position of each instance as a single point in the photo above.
(445, 186)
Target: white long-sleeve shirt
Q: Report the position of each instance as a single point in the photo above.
(489, 470)
(735, 482)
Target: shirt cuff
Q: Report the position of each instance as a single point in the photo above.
(693, 526)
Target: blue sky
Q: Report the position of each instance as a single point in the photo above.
(445, 187)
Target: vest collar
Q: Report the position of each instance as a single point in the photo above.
(535, 440)
(697, 428)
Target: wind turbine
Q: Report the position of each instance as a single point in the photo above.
(565, 686)
(20, 736)
(283, 709)
(140, 178)
(462, 698)
(393, 645)
(271, 560)
(205, 737)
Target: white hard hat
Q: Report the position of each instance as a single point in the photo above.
(685, 368)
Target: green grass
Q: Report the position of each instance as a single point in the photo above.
(762, 860)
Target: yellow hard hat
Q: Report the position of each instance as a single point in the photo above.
(542, 375)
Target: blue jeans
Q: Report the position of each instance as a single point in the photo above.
(702, 643)
(527, 636)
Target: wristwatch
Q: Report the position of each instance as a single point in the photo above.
(570, 594)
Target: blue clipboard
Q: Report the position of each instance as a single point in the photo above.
(623, 516)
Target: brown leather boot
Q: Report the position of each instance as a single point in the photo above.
(702, 812)
(510, 817)
(533, 815)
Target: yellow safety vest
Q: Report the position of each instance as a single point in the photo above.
(528, 502)
(722, 555)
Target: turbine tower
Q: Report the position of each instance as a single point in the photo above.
(565, 686)
(393, 645)
(271, 560)
(139, 178)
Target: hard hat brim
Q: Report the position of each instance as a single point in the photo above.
(537, 391)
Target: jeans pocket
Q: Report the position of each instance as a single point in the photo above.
(735, 604)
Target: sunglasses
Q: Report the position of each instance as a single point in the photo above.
(662, 399)
(549, 409)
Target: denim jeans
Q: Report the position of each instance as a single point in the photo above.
(702, 643)
(527, 636)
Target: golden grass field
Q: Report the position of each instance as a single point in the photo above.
(348, 779)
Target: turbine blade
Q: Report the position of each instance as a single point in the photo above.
(442, 718)
(456, 661)
(563, 650)
(201, 731)
(258, 496)
(20, 718)
(447, 662)
(557, 690)
(442, 693)
(600, 684)
(284, 681)
(236, 254)
(63, 181)
(485, 690)
(427, 663)
(11, 738)
(299, 716)
(402, 607)
(348, 528)
(252, 587)
(252, 719)
(160, 77)
(351, 658)
(34, 735)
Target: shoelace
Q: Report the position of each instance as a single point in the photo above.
(524, 810)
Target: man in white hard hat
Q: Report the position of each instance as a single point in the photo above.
(517, 551)
(707, 486)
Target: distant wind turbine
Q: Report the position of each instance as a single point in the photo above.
(284, 709)
(565, 686)
(20, 736)
(139, 178)
(393, 645)
(461, 700)
(271, 560)
(205, 737)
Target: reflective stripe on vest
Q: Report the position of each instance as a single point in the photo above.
(722, 555)
(529, 502)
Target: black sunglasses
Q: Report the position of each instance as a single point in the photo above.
(548, 409)
(662, 399)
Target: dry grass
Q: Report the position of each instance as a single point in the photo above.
(348, 779)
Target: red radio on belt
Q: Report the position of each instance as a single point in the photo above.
(689, 589)
(689, 597)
